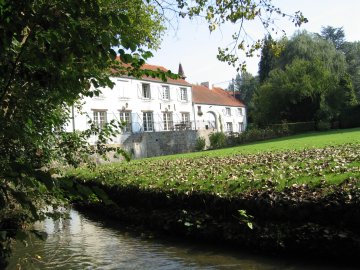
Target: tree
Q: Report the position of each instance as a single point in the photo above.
(352, 55)
(268, 58)
(237, 13)
(245, 84)
(50, 52)
(309, 84)
(334, 35)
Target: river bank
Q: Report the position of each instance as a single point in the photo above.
(302, 202)
(317, 222)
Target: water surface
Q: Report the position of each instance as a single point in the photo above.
(82, 243)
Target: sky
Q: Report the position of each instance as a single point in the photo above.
(191, 44)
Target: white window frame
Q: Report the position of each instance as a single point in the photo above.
(100, 118)
(148, 121)
(125, 119)
(183, 94)
(185, 117)
(168, 123)
(240, 111)
(123, 86)
(145, 91)
(229, 126)
(165, 92)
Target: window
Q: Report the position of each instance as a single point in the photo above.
(240, 111)
(123, 89)
(241, 127)
(125, 119)
(183, 94)
(200, 113)
(168, 120)
(165, 93)
(145, 91)
(185, 117)
(227, 111)
(99, 118)
(148, 121)
(229, 127)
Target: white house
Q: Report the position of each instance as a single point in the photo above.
(146, 105)
(217, 109)
(160, 114)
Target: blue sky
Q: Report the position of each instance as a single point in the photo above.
(191, 43)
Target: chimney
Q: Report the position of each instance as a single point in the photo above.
(181, 72)
(207, 84)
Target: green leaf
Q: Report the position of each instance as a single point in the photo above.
(84, 190)
(40, 234)
(124, 18)
(2, 200)
(3, 235)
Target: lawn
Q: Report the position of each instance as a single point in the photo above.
(313, 159)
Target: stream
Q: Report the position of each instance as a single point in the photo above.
(84, 243)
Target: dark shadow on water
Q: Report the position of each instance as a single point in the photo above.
(205, 253)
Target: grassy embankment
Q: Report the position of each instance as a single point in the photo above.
(302, 159)
(302, 192)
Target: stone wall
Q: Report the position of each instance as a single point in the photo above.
(151, 144)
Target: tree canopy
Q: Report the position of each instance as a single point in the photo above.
(308, 83)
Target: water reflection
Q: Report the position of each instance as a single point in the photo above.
(80, 243)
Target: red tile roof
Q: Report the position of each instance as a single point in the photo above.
(215, 96)
(178, 81)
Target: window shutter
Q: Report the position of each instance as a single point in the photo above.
(139, 88)
(178, 93)
(159, 92)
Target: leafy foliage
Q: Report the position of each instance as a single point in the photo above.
(217, 140)
(244, 86)
(352, 55)
(200, 144)
(334, 35)
(309, 83)
(52, 53)
(238, 13)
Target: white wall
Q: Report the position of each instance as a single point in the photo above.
(209, 112)
(126, 95)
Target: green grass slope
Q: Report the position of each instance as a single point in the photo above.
(312, 158)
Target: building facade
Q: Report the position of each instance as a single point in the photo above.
(149, 105)
(217, 109)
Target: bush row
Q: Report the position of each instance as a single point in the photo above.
(220, 139)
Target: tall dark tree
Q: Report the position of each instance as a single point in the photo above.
(334, 35)
(267, 60)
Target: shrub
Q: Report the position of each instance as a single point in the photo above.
(200, 144)
(350, 118)
(323, 125)
(293, 128)
(217, 140)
